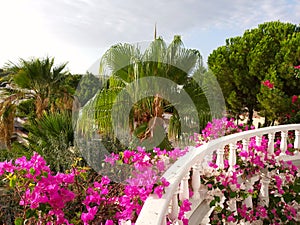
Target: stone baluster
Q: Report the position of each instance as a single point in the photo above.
(174, 207)
(196, 180)
(208, 158)
(220, 158)
(264, 190)
(258, 140)
(283, 142)
(232, 156)
(184, 187)
(271, 137)
(245, 144)
(232, 206)
(249, 185)
(297, 139)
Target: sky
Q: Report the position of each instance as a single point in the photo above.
(80, 31)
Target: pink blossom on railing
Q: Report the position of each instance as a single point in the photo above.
(217, 128)
(184, 207)
(251, 162)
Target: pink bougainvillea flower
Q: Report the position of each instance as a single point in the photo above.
(297, 67)
(268, 84)
(294, 98)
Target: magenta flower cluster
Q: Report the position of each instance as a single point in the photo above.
(228, 187)
(218, 128)
(268, 84)
(47, 194)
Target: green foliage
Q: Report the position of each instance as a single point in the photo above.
(125, 64)
(50, 86)
(52, 136)
(26, 108)
(267, 52)
(87, 88)
(17, 150)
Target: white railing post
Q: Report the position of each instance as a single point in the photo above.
(283, 142)
(264, 190)
(232, 206)
(174, 207)
(184, 187)
(232, 156)
(248, 200)
(249, 185)
(245, 144)
(297, 139)
(271, 137)
(220, 158)
(196, 181)
(258, 139)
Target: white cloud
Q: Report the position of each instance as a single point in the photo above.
(81, 29)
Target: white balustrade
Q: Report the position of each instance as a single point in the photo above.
(249, 185)
(283, 142)
(258, 140)
(220, 158)
(232, 156)
(271, 143)
(196, 181)
(297, 139)
(264, 191)
(184, 188)
(174, 207)
(245, 144)
(155, 210)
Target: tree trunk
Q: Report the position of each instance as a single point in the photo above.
(250, 117)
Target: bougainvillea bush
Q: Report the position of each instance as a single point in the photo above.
(230, 190)
(81, 196)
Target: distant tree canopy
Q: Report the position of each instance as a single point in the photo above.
(87, 87)
(268, 52)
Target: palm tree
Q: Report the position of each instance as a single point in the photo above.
(37, 80)
(40, 80)
(124, 65)
(7, 115)
(52, 136)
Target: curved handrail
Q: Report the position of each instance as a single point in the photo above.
(155, 209)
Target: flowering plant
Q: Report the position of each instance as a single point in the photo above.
(268, 84)
(81, 196)
(260, 189)
(218, 128)
(297, 71)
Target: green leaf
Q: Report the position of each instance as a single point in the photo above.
(288, 197)
(32, 171)
(30, 213)
(276, 199)
(233, 194)
(13, 181)
(297, 199)
(297, 187)
(18, 221)
(212, 203)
